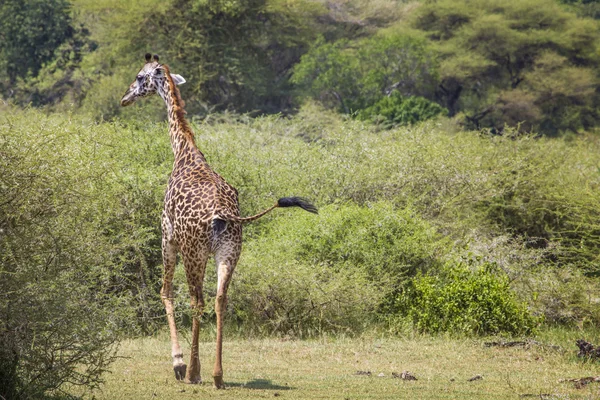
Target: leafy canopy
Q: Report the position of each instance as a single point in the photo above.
(512, 62)
(351, 76)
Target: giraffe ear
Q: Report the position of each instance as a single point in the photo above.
(177, 79)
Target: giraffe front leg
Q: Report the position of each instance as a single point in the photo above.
(166, 293)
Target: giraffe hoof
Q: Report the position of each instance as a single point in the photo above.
(179, 371)
(194, 381)
(219, 384)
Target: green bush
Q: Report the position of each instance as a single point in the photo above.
(517, 201)
(540, 192)
(79, 249)
(388, 244)
(276, 295)
(331, 272)
(545, 195)
(463, 301)
(397, 110)
(393, 203)
(350, 76)
(563, 296)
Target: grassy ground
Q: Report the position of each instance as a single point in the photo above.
(327, 369)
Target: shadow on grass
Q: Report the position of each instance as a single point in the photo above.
(263, 384)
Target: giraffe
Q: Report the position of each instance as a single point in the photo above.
(200, 218)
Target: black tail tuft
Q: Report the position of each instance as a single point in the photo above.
(297, 202)
(218, 226)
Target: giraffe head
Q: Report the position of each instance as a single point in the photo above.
(149, 80)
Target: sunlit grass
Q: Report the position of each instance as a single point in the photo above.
(326, 368)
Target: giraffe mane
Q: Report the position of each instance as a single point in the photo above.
(178, 103)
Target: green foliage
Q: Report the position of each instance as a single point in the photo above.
(466, 302)
(331, 270)
(528, 63)
(541, 192)
(492, 63)
(565, 297)
(30, 32)
(298, 299)
(397, 110)
(545, 203)
(388, 244)
(584, 8)
(350, 76)
(326, 72)
(82, 214)
(40, 48)
(234, 54)
(519, 202)
(76, 249)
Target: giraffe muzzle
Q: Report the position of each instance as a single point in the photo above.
(128, 98)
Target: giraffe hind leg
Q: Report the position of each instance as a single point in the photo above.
(226, 259)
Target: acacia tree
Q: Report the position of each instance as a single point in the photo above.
(30, 31)
(352, 76)
(514, 61)
(38, 37)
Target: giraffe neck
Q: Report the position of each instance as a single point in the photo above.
(182, 136)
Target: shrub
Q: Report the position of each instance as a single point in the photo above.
(544, 194)
(387, 243)
(331, 272)
(350, 76)
(393, 204)
(463, 301)
(288, 297)
(398, 110)
(563, 296)
(78, 233)
(541, 192)
(538, 195)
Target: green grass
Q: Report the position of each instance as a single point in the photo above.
(326, 369)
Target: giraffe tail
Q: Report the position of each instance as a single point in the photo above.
(282, 202)
(297, 202)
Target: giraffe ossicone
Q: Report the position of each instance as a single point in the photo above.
(200, 218)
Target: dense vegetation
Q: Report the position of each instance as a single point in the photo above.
(495, 234)
(530, 64)
(424, 225)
